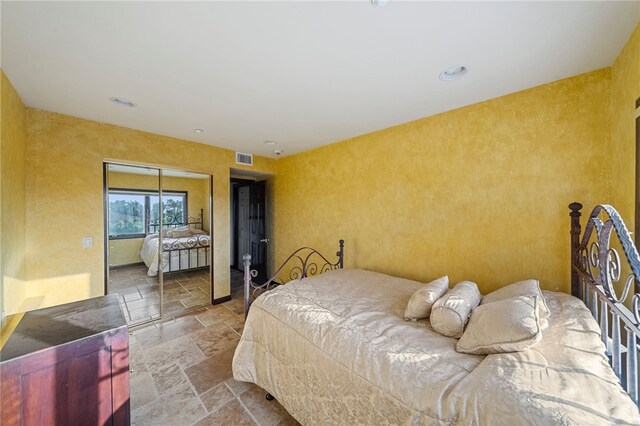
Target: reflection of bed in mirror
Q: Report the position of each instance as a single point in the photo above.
(185, 246)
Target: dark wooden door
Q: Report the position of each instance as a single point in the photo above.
(259, 239)
(243, 224)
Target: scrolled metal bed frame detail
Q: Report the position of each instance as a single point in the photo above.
(192, 245)
(596, 269)
(303, 262)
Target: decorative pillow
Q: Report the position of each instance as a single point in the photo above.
(521, 288)
(422, 301)
(451, 312)
(180, 233)
(509, 325)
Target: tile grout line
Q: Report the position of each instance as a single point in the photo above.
(196, 345)
(198, 319)
(248, 411)
(155, 392)
(195, 392)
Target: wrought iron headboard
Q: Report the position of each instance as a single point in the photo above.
(596, 269)
(303, 262)
(176, 221)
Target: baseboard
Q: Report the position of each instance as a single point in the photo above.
(125, 266)
(221, 300)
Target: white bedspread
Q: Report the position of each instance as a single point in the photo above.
(179, 260)
(334, 349)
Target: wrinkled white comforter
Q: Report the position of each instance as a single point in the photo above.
(334, 349)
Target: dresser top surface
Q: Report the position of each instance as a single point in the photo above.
(57, 325)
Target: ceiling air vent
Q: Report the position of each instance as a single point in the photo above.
(244, 159)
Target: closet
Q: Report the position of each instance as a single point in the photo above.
(158, 240)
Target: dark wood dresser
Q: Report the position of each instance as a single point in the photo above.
(67, 365)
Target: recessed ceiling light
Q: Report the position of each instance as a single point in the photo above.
(270, 142)
(380, 3)
(453, 73)
(198, 131)
(123, 102)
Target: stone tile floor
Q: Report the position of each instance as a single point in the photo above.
(182, 371)
(140, 297)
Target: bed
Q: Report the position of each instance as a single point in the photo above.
(185, 247)
(334, 348)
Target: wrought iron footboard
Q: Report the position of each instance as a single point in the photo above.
(191, 252)
(596, 279)
(303, 262)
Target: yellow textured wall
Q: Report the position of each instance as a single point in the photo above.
(477, 193)
(66, 154)
(127, 251)
(625, 89)
(13, 137)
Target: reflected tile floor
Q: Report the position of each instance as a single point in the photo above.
(182, 372)
(140, 298)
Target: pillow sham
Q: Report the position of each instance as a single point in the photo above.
(422, 300)
(451, 312)
(180, 233)
(521, 288)
(509, 325)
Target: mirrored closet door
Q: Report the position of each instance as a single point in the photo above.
(157, 234)
(186, 241)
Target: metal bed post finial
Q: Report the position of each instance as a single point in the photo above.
(246, 262)
(576, 288)
(340, 254)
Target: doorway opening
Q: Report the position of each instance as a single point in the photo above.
(158, 242)
(249, 227)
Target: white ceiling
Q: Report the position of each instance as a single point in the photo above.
(303, 74)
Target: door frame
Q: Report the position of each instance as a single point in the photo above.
(637, 197)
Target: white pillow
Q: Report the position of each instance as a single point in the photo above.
(181, 233)
(422, 301)
(509, 325)
(521, 288)
(451, 312)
